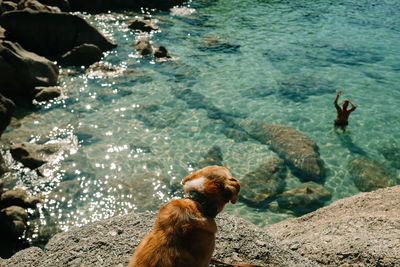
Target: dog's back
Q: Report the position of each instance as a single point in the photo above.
(181, 237)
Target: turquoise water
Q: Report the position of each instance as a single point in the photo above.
(131, 134)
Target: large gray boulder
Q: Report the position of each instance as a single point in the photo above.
(297, 149)
(7, 108)
(111, 242)
(105, 5)
(369, 175)
(21, 71)
(51, 34)
(362, 230)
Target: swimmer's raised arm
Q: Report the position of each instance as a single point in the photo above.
(336, 99)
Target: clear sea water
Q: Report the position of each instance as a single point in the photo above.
(131, 138)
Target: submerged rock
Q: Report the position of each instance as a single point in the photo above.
(7, 108)
(51, 34)
(305, 198)
(392, 153)
(297, 149)
(213, 156)
(369, 175)
(362, 230)
(264, 183)
(34, 155)
(21, 71)
(144, 47)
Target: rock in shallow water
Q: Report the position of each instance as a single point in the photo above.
(369, 175)
(264, 183)
(305, 198)
(298, 150)
(7, 108)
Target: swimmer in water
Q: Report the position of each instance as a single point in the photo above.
(343, 112)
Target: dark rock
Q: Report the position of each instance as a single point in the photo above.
(106, 5)
(34, 155)
(37, 6)
(392, 153)
(143, 46)
(143, 25)
(51, 34)
(2, 31)
(7, 108)
(18, 197)
(362, 230)
(113, 241)
(3, 166)
(297, 149)
(305, 198)
(46, 93)
(63, 5)
(212, 157)
(264, 183)
(161, 52)
(369, 175)
(82, 55)
(21, 71)
(7, 6)
(13, 222)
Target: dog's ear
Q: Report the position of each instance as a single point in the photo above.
(231, 190)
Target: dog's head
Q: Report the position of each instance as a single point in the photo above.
(214, 182)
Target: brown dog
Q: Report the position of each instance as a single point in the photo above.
(184, 232)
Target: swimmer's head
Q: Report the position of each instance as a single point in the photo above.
(345, 103)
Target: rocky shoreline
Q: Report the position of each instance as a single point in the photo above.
(359, 231)
(38, 37)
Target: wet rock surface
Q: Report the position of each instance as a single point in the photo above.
(46, 93)
(143, 25)
(369, 175)
(113, 241)
(362, 230)
(33, 155)
(82, 55)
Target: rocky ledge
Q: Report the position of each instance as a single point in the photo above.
(111, 242)
(363, 230)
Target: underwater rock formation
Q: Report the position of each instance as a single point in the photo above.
(305, 198)
(297, 149)
(264, 183)
(213, 156)
(391, 152)
(369, 175)
(143, 25)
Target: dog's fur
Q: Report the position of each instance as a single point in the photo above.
(184, 232)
